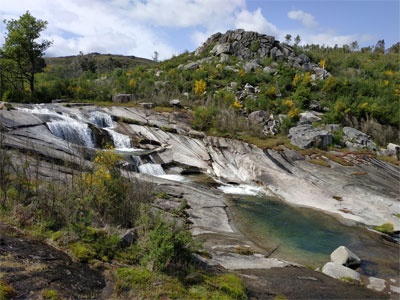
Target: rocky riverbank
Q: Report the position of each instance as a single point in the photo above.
(169, 141)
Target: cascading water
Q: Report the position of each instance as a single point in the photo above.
(101, 119)
(151, 169)
(72, 131)
(121, 141)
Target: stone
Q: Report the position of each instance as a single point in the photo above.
(332, 127)
(191, 66)
(234, 84)
(146, 105)
(342, 255)
(175, 102)
(395, 289)
(338, 271)
(315, 105)
(306, 136)
(394, 147)
(251, 66)
(128, 237)
(257, 117)
(310, 117)
(221, 48)
(249, 88)
(358, 139)
(376, 284)
(224, 58)
(269, 70)
(122, 98)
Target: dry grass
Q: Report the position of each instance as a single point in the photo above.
(390, 159)
(265, 143)
(337, 198)
(319, 162)
(243, 250)
(359, 173)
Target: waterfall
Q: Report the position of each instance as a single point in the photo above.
(151, 169)
(72, 131)
(101, 119)
(121, 141)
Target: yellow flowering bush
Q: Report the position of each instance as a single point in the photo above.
(200, 86)
(296, 79)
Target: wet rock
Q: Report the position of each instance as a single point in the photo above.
(376, 284)
(345, 257)
(338, 271)
(122, 98)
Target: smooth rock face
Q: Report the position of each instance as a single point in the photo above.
(376, 284)
(257, 117)
(306, 136)
(122, 98)
(345, 257)
(338, 271)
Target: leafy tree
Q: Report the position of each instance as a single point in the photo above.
(22, 50)
(297, 40)
(380, 46)
(354, 46)
(288, 38)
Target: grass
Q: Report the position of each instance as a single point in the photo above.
(390, 159)
(6, 291)
(168, 109)
(82, 251)
(319, 162)
(349, 280)
(154, 285)
(50, 295)
(359, 173)
(385, 228)
(267, 143)
(397, 215)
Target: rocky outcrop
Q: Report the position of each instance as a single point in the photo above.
(122, 98)
(345, 257)
(355, 139)
(338, 271)
(246, 45)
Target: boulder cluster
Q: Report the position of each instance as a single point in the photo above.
(246, 45)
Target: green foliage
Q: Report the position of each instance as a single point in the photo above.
(50, 295)
(385, 228)
(6, 291)
(82, 251)
(229, 284)
(204, 117)
(255, 45)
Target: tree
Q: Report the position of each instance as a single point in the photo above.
(155, 56)
(21, 48)
(354, 46)
(297, 40)
(288, 38)
(380, 46)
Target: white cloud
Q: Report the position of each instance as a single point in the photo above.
(307, 19)
(255, 21)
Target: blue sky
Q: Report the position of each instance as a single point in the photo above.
(140, 27)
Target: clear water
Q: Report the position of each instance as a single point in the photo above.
(308, 236)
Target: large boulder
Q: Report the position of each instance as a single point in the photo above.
(219, 49)
(345, 257)
(191, 66)
(257, 117)
(252, 65)
(175, 102)
(356, 139)
(310, 117)
(128, 237)
(122, 98)
(306, 136)
(338, 271)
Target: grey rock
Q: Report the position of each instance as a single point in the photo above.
(18, 118)
(393, 147)
(268, 69)
(249, 88)
(306, 136)
(234, 84)
(315, 105)
(224, 58)
(332, 127)
(122, 98)
(221, 48)
(344, 256)
(310, 117)
(358, 139)
(128, 237)
(146, 105)
(257, 117)
(376, 284)
(230, 68)
(338, 271)
(251, 66)
(175, 102)
(191, 66)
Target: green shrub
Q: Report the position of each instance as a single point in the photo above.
(6, 291)
(50, 295)
(385, 228)
(82, 251)
(229, 284)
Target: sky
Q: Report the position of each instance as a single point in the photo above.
(141, 27)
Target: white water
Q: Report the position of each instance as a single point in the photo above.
(121, 141)
(101, 119)
(151, 169)
(173, 177)
(72, 131)
(242, 189)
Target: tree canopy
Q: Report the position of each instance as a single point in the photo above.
(21, 54)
